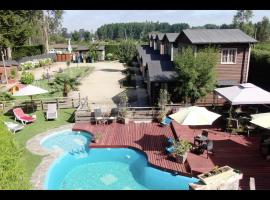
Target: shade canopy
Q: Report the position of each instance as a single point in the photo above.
(194, 116)
(262, 120)
(243, 94)
(30, 90)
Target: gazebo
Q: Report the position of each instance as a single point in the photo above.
(244, 94)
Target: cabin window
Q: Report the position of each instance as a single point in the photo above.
(228, 56)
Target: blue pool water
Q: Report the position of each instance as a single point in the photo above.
(105, 168)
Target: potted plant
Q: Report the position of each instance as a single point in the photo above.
(181, 149)
(96, 138)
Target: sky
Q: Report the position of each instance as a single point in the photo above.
(92, 19)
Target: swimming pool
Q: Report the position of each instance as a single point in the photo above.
(107, 169)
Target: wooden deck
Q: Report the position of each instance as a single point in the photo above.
(239, 152)
(148, 137)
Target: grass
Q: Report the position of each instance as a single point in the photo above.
(39, 126)
(74, 72)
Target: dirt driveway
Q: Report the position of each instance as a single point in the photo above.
(102, 85)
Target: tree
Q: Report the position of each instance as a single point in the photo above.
(15, 29)
(211, 26)
(226, 26)
(86, 36)
(196, 73)
(13, 172)
(64, 32)
(65, 84)
(242, 20)
(127, 51)
(263, 30)
(164, 98)
(75, 36)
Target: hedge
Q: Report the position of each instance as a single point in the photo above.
(19, 52)
(13, 172)
(113, 49)
(259, 68)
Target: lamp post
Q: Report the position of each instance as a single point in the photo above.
(4, 64)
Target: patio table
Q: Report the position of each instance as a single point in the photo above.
(200, 139)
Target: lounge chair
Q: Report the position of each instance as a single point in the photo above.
(166, 121)
(51, 111)
(98, 115)
(13, 127)
(21, 116)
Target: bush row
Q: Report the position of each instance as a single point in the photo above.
(19, 52)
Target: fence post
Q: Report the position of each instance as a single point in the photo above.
(57, 103)
(72, 102)
(41, 102)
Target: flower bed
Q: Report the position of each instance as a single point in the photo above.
(36, 63)
(216, 174)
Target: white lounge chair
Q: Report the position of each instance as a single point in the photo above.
(51, 111)
(13, 127)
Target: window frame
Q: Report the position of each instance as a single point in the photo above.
(228, 56)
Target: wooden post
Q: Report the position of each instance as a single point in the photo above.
(57, 103)
(252, 183)
(41, 105)
(72, 103)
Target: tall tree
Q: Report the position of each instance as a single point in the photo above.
(242, 20)
(15, 29)
(64, 32)
(87, 36)
(196, 73)
(75, 36)
(263, 30)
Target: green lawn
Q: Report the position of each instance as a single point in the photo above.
(40, 125)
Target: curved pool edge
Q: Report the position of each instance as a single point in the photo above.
(33, 145)
(93, 145)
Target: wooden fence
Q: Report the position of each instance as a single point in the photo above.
(40, 104)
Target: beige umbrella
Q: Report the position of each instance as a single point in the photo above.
(262, 120)
(194, 116)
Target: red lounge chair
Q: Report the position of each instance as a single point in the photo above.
(21, 116)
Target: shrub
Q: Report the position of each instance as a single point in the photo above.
(113, 49)
(13, 73)
(19, 52)
(127, 51)
(12, 173)
(109, 56)
(27, 78)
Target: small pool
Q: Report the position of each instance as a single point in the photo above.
(104, 168)
(67, 141)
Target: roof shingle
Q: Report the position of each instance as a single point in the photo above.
(206, 36)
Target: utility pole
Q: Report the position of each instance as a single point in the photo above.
(4, 64)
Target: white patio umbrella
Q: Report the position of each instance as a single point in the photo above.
(194, 116)
(30, 90)
(244, 94)
(262, 120)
